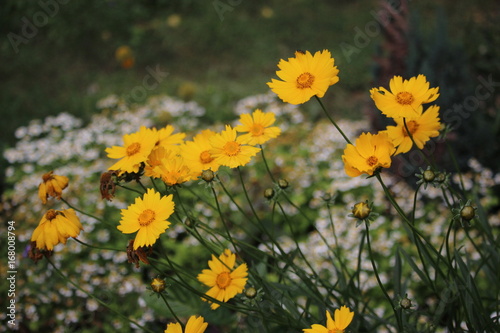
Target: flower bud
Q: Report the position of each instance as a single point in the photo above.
(361, 210)
(207, 175)
(405, 303)
(158, 285)
(429, 176)
(269, 193)
(440, 177)
(250, 292)
(467, 213)
(283, 183)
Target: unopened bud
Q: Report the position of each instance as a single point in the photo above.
(429, 176)
(467, 213)
(361, 210)
(269, 193)
(283, 183)
(158, 285)
(251, 292)
(405, 303)
(207, 175)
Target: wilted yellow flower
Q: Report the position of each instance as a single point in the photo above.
(343, 318)
(304, 76)
(148, 217)
(405, 97)
(368, 154)
(230, 150)
(52, 186)
(136, 149)
(258, 126)
(194, 325)
(55, 227)
(422, 128)
(224, 280)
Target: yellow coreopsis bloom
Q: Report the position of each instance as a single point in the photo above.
(421, 128)
(174, 171)
(155, 160)
(258, 127)
(224, 280)
(55, 227)
(194, 325)
(167, 138)
(135, 150)
(52, 186)
(197, 154)
(230, 150)
(148, 217)
(405, 97)
(343, 318)
(304, 76)
(369, 153)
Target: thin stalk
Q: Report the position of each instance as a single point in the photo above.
(332, 121)
(265, 163)
(171, 310)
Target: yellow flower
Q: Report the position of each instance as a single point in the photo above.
(148, 217)
(55, 227)
(197, 154)
(224, 281)
(155, 160)
(343, 318)
(136, 149)
(258, 127)
(422, 128)
(166, 138)
(230, 150)
(173, 170)
(368, 154)
(405, 97)
(304, 76)
(194, 325)
(52, 186)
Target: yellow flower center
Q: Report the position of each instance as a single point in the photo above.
(305, 80)
(372, 160)
(223, 280)
(133, 148)
(412, 127)
(51, 214)
(257, 130)
(146, 217)
(48, 176)
(205, 157)
(232, 148)
(404, 98)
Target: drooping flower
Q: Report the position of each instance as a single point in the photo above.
(155, 160)
(194, 325)
(174, 171)
(55, 227)
(304, 76)
(258, 127)
(230, 150)
(52, 186)
(148, 217)
(135, 150)
(421, 128)
(343, 318)
(405, 97)
(370, 152)
(197, 154)
(224, 280)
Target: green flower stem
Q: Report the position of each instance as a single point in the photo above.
(337, 250)
(89, 215)
(331, 120)
(98, 247)
(381, 285)
(144, 329)
(171, 310)
(265, 163)
(221, 215)
(130, 189)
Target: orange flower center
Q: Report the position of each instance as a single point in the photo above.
(404, 98)
(133, 148)
(412, 127)
(305, 80)
(146, 217)
(257, 130)
(223, 280)
(51, 214)
(372, 160)
(232, 148)
(205, 157)
(48, 176)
